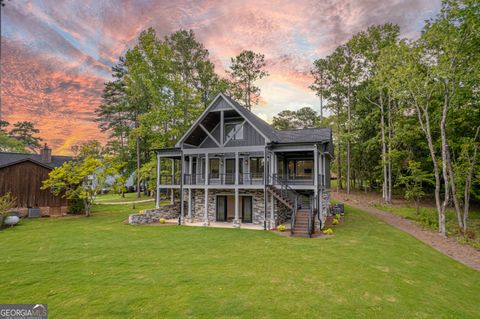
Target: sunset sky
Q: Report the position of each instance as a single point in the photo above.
(56, 55)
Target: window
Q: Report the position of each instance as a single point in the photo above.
(300, 168)
(256, 167)
(233, 131)
(213, 169)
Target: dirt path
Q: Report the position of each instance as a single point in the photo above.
(124, 203)
(449, 246)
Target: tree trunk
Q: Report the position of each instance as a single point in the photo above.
(86, 204)
(138, 167)
(468, 183)
(384, 150)
(339, 156)
(389, 159)
(348, 139)
(424, 120)
(446, 182)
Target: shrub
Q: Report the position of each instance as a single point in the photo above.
(335, 221)
(281, 228)
(7, 202)
(337, 216)
(163, 220)
(328, 231)
(76, 206)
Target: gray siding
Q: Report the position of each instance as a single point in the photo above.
(208, 142)
(221, 104)
(327, 171)
(250, 137)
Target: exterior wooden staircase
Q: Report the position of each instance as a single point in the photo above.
(302, 226)
(277, 193)
(302, 219)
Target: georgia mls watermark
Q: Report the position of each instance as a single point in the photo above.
(23, 311)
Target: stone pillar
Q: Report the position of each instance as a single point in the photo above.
(272, 212)
(190, 205)
(236, 221)
(206, 222)
(159, 161)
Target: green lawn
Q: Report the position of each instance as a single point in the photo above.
(428, 217)
(98, 267)
(116, 198)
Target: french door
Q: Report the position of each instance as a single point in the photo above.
(247, 209)
(221, 214)
(230, 171)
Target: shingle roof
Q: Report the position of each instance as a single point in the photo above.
(7, 159)
(260, 124)
(308, 135)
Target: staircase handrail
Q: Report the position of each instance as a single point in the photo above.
(285, 190)
(311, 216)
(294, 214)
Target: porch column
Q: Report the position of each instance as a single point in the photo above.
(265, 182)
(207, 168)
(236, 221)
(236, 168)
(205, 217)
(182, 170)
(190, 167)
(190, 205)
(159, 161)
(172, 198)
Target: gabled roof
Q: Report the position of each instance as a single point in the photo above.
(309, 135)
(306, 135)
(7, 159)
(256, 122)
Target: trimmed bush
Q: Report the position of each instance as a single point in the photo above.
(328, 231)
(281, 228)
(162, 220)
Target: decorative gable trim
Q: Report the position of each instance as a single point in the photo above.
(210, 108)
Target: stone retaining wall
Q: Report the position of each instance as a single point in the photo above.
(154, 215)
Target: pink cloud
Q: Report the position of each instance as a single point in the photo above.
(57, 54)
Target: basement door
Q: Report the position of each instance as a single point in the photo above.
(247, 209)
(221, 214)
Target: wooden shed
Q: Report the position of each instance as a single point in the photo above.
(22, 176)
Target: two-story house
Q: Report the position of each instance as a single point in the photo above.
(233, 167)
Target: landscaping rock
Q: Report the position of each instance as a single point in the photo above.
(150, 216)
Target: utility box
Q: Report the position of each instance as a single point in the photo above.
(34, 212)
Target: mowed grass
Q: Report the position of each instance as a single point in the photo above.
(116, 198)
(98, 267)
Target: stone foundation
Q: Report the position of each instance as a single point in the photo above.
(44, 211)
(198, 204)
(154, 215)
